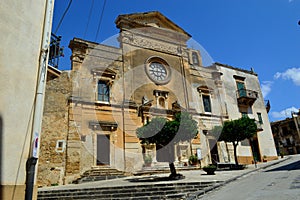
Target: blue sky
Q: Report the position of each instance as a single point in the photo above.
(262, 34)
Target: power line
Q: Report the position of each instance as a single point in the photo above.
(89, 18)
(101, 16)
(63, 16)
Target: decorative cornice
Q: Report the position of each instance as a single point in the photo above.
(149, 43)
(235, 68)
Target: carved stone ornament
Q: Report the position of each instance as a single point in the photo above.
(148, 43)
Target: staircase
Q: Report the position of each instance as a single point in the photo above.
(99, 174)
(159, 168)
(175, 190)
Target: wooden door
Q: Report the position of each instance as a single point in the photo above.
(103, 150)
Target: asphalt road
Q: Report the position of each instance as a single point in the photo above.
(278, 182)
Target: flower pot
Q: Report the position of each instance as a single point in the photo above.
(210, 170)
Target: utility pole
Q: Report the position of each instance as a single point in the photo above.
(39, 101)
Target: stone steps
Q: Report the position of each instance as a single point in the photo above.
(156, 169)
(99, 174)
(177, 190)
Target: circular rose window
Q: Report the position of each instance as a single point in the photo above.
(158, 71)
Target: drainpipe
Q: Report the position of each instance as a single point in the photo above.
(39, 101)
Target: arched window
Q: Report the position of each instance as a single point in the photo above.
(161, 102)
(103, 91)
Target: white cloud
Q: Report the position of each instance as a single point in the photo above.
(266, 87)
(284, 113)
(290, 74)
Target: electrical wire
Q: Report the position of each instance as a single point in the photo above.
(63, 16)
(89, 18)
(100, 20)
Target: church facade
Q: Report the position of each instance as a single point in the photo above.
(92, 111)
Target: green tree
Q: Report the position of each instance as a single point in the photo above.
(165, 134)
(237, 130)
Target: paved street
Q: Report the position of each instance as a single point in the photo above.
(278, 182)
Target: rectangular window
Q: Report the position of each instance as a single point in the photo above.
(241, 89)
(259, 118)
(103, 91)
(206, 103)
(60, 146)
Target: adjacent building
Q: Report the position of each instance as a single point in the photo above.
(92, 111)
(287, 134)
(22, 33)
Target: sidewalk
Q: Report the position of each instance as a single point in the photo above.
(223, 176)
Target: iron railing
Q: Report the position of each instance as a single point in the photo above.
(55, 50)
(246, 93)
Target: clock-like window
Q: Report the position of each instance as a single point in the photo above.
(158, 71)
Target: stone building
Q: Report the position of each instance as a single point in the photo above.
(243, 97)
(287, 134)
(92, 112)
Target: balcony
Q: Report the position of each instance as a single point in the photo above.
(246, 97)
(55, 51)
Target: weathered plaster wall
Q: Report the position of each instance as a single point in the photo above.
(265, 137)
(21, 34)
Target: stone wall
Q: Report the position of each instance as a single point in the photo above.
(55, 128)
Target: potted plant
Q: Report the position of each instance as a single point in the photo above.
(264, 158)
(210, 169)
(148, 160)
(193, 160)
